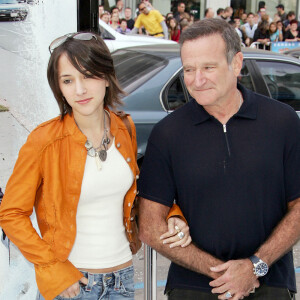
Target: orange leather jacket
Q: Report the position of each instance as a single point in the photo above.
(48, 176)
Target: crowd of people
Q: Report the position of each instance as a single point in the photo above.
(250, 26)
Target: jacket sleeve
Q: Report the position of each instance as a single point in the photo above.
(15, 212)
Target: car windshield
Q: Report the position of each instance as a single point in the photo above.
(8, 2)
(135, 68)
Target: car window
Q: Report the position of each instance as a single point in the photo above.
(135, 68)
(8, 1)
(174, 93)
(245, 78)
(282, 80)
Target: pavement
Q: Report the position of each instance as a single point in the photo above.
(13, 134)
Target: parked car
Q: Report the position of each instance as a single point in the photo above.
(152, 77)
(293, 52)
(12, 10)
(115, 40)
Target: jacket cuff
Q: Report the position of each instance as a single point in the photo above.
(54, 278)
(175, 211)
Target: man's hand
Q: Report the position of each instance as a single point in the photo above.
(176, 225)
(74, 289)
(238, 279)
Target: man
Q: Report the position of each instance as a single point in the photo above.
(230, 158)
(153, 22)
(209, 13)
(181, 14)
(120, 6)
(289, 17)
(220, 11)
(281, 12)
(128, 18)
(249, 29)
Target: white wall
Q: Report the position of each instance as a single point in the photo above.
(164, 6)
(23, 65)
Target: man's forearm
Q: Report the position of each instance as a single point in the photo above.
(152, 225)
(284, 237)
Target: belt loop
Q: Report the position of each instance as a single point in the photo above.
(90, 284)
(117, 280)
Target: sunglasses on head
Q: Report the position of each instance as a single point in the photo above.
(83, 36)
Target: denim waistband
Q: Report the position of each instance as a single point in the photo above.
(111, 278)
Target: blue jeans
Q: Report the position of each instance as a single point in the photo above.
(117, 285)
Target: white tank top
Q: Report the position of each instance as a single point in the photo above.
(101, 240)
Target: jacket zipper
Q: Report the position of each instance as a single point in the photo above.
(226, 138)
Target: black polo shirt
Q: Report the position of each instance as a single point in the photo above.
(233, 187)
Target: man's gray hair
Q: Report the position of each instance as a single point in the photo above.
(209, 27)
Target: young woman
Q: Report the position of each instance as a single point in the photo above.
(275, 34)
(174, 30)
(79, 172)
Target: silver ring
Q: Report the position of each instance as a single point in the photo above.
(253, 290)
(177, 229)
(180, 235)
(228, 295)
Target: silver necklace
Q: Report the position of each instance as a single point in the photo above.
(100, 153)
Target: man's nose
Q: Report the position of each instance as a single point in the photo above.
(200, 78)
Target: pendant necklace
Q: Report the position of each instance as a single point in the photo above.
(100, 153)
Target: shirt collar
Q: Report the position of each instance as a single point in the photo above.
(248, 109)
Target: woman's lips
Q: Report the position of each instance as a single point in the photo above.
(84, 101)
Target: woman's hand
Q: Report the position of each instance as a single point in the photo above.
(74, 289)
(172, 236)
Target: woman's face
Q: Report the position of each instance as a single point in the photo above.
(172, 23)
(84, 94)
(294, 26)
(272, 27)
(279, 25)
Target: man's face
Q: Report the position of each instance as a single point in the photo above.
(143, 9)
(127, 13)
(105, 18)
(210, 13)
(181, 7)
(292, 17)
(123, 25)
(207, 75)
(250, 19)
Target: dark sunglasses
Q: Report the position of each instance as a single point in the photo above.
(83, 36)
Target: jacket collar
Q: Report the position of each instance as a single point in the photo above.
(71, 128)
(248, 109)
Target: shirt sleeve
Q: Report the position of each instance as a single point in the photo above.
(292, 159)
(156, 181)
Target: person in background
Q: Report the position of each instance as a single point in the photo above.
(180, 14)
(228, 11)
(152, 21)
(209, 13)
(289, 17)
(79, 172)
(236, 25)
(184, 24)
(281, 13)
(275, 34)
(100, 10)
(243, 18)
(120, 6)
(174, 30)
(262, 35)
(105, 17)
(220, 11)
(249, 29)
(128, 18)
(114, 20)
(293, 34)
(123, 27)
(281, 29)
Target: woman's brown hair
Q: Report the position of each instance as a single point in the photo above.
(91, 58)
